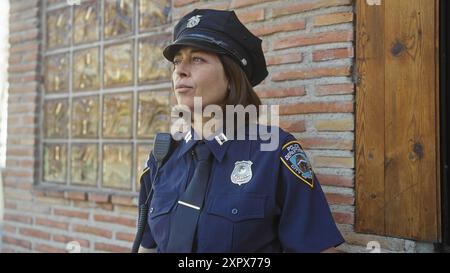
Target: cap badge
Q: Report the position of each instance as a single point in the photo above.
(193, 21)
(242, 172)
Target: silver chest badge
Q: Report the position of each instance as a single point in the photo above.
(242, 172)
(193, 21)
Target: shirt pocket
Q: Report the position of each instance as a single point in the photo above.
(239, 207)
(159, 217)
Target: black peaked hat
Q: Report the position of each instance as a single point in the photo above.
(220, 32)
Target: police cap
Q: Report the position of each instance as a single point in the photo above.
(220, 32)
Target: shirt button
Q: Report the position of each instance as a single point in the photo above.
(234, 211)
(151, 210)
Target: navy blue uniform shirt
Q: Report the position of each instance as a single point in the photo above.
(281, 208)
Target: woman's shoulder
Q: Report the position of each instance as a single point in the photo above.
(270, 135)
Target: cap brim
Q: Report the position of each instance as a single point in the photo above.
(172, 49)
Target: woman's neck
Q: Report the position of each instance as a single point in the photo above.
(198, 124)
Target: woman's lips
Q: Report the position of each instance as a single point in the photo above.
(181, 88)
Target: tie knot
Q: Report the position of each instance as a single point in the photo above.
(202, 151)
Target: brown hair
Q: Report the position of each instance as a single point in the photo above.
(240, 89)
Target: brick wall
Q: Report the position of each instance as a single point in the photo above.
(310, 54)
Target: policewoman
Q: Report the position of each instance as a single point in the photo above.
(221, 194)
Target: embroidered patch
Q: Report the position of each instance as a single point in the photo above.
(295, 159)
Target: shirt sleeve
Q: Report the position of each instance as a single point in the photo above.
(306, 223)
(145, 182)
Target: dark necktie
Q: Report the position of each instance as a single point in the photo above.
(184, 222)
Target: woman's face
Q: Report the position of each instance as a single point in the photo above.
(198, 73)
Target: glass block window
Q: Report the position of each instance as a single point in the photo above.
(106, 90)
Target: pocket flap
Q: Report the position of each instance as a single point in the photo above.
(238, 207)
(161, 205)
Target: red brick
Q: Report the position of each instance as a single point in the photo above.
(31, 57)
(102, 206)
(179, 3)
(21, 131)
(11, 193)
(66, 239)
(18, 218)
(115, 220)
(125, 236)
(339, 125)
(25, 47)
(308, 6)
(92, 230)
(281, 92)
(23, 67)
(35, 233)
(54, 193)
(9, 228)
(98, 197)
(284, 59)
(277, 28)
(335, 180)
(343, 218)
(7, 250)
(313, 39)
(71, 213)
(334, 162)
(30, 87)
(250, 16)
(19, 151)
(111, 248)
(335, 89)
(76, 195)
(18, 185)
(23, 26)
(17, 6)
(122, 200)
(339, 199)
(44, 248)
(333, 19)
(296, 126)
(320, 143)
(244, 3)
(180, 12)
(15, 171)
(342, 71)
(10, 205)
(6, 239)
(52, 223)
(332, 54)
(33, 34)
(316, 107)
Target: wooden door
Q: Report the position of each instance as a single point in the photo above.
(397, 165)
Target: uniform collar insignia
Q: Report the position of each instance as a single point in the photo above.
(188, 136)
(221, 138)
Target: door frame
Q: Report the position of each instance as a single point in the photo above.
(444, 87)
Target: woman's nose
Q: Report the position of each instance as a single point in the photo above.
(182, 69)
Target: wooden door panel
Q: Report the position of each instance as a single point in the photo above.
(397, 189)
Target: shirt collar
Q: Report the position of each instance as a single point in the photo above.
(218, 144)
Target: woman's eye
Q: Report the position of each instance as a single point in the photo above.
(176, 61)
(197, 59)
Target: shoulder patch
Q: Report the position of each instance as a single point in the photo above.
(296, 161)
